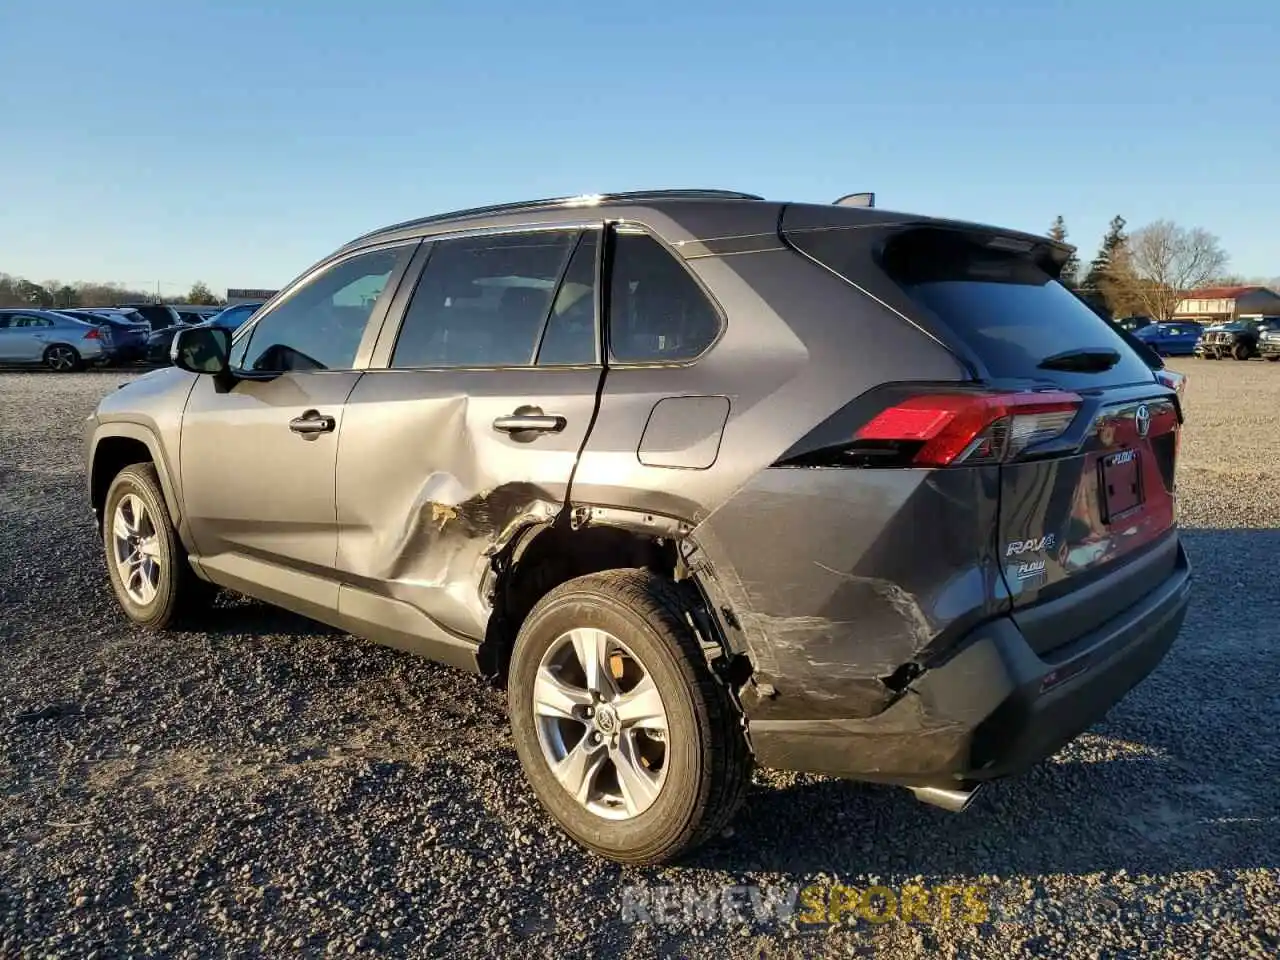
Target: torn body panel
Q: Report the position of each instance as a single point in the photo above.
(421, 525)
(991, 708)
(848, 583)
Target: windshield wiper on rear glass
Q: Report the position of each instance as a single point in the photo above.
(1094, 360)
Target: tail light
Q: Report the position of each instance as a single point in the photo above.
(93, 334)
(947, 429)
(1174, 380)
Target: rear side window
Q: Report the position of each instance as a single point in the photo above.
(29, 322)
(1001, 304)
(657, 312)
(570, 337)
(482, 301)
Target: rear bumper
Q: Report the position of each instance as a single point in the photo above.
(992, 710)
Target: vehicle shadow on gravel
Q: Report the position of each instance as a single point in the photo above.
(1062, 818)
(234, 615)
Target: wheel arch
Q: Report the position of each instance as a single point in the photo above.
(116, 447)
(587, 540)
(44, 354)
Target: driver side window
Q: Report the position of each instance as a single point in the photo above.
(321, 324)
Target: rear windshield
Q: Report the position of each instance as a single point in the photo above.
(1004, 307)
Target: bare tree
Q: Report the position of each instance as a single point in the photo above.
(1164, 261)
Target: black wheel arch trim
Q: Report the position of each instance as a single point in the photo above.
(123, 430)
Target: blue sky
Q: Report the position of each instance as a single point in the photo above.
(238, 141)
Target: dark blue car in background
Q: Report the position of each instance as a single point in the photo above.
(1170, 339)
(129, 330)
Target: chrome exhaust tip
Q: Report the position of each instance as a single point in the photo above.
(956, 801)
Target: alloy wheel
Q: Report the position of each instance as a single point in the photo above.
(136, 549)
(61, 359)
(601, 723)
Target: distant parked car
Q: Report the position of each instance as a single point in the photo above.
(129, 331)
(230, 319)
(59, 342)
(197, 314)
(1238, 339)
(1269, 341)
(159, 315)
(1133, 324)
(234, 317)
(1170, 339)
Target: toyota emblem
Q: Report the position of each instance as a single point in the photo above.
(1142, 419)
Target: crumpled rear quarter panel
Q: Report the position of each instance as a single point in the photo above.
(839, 578)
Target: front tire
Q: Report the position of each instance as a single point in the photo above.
(63, 358)
(1240, 351)
(147, 564)
(626, 736)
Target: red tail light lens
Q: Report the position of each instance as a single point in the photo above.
(947, 429)
(93, 334)
(1174, 380)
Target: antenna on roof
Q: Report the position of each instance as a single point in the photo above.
(857, 200)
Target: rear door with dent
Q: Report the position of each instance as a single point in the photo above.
(478, 400)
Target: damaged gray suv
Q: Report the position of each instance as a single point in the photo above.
(705, 480)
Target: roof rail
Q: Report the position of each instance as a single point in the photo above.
(583, 200)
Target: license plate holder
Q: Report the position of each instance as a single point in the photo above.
(1120, 484)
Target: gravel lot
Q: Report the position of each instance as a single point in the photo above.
(270, 787)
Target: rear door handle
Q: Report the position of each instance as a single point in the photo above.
(312, 423)
(533, 421)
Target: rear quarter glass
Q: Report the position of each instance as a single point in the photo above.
(1001, 305)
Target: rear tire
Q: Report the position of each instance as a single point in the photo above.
(150, 574)
(700, 767)
(63, 358)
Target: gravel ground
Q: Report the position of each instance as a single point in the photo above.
(270, 787)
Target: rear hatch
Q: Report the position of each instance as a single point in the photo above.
(1085, 432)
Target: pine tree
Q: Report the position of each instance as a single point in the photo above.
(1070, 269)
(1093, 289)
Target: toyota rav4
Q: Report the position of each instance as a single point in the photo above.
(704, 480)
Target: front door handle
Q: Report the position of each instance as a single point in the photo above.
(529, 420)
(312, 423)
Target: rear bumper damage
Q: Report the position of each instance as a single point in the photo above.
(993, 709)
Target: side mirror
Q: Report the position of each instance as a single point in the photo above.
(202, 350)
